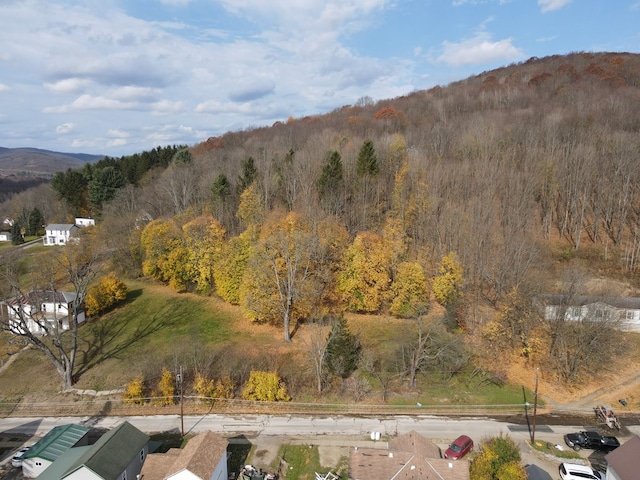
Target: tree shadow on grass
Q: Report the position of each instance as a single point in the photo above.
(112, 336)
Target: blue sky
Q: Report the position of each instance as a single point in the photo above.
(117, 77)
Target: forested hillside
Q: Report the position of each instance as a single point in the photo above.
(467, 200)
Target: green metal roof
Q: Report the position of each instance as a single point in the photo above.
(56, 442)
(112, 453)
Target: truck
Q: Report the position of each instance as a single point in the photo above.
(592, 440)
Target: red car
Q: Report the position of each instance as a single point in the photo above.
(459, 448)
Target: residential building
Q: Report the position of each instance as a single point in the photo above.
(85, 222)
(622, 463)
(623, 312)
(118, 455)
(50, 447)
(59, 233)
(204, 457)
(408, 457)
(40, 311)
(5, 236)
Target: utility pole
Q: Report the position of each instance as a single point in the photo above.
(180, 379)
(535, 407)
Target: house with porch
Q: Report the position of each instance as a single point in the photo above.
(40, 311)
(59, 233)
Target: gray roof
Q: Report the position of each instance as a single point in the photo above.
(630, 303)
(61, 226)
(56, 442)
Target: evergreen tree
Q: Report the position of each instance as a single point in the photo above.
(36, 223)
(16, 234)
(249, 174)
(367, 160)
(343, 350)
(331, 178)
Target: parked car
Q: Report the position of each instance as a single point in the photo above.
(572, 471)
(16, 461)
(592, 440)
(459, 448)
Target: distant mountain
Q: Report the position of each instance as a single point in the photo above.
(34, 162)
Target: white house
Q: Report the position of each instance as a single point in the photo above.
(204, 457)
(5, 236)
(85, 222)
(118, 455)
(40, 311)
(622, 310)
(59, 233)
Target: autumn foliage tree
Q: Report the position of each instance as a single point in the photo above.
(364, 278)
(265, 387)
(109, 291)
(447, 285)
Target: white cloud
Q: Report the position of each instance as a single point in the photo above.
(65, 128)
(477, 50)
(3, 87)
(68, 85)
(90, 102)
(118, 133)
(117, 142)
(167, 107)
(551, 5)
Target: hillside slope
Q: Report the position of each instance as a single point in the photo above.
(36, 162)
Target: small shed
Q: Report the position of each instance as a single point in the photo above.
(50, 447)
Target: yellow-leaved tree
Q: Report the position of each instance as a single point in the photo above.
(164, 253)
(134, 392)
(410, 291)
(282, 271)
(363, 279)
(231, 265)
(204, 240)
(265, 387)
(165, 395)
(105, 294)
(447, 285)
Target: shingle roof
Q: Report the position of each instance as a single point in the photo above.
(113, 452)
(624, 459)
(60, 226)
(408, 458)
(56, 442)
(200, 456)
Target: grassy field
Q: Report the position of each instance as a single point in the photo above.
(157, 327)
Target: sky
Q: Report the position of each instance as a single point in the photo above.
(116, 77)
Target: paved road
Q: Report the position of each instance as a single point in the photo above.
(321, 430)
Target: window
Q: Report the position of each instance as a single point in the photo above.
(142, 455)
(124, 475)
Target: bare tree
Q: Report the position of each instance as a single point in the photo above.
(55, 336)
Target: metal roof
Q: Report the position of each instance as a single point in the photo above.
(56, 442)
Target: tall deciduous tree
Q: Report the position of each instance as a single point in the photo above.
(364, 279)
(286, 251)
(77, 264)
(447, 285)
